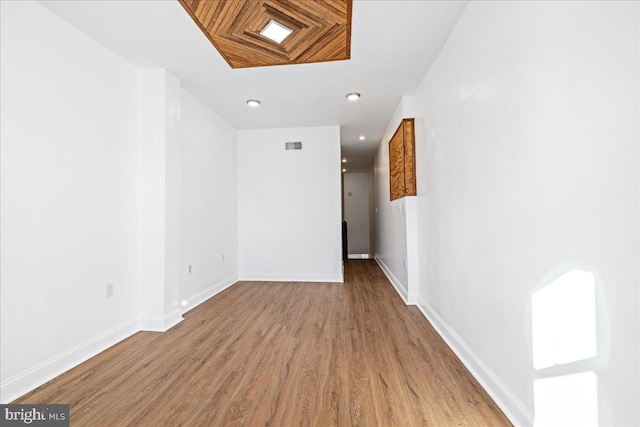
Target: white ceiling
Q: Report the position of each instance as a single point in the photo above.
(392, 45)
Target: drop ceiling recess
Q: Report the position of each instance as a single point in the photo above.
(320, 31)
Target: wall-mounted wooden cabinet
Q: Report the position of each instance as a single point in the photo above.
(402, 161)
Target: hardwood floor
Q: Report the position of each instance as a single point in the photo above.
(281, 354)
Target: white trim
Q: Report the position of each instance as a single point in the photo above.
(212, 290)
(321, 278)
(161, 323)
(517, 413)
(402, 291)
(359, 256)
(34, 377)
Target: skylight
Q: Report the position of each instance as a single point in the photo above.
(276, 31)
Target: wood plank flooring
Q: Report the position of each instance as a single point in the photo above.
(281, 354)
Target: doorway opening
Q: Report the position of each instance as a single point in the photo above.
(357, 217)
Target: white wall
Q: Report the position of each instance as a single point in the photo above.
(109, 174)
(172, 201)
(390, 216)
(372, 212)
(209, 202)
(356, 212)
(527, 153)
(289, 205)
(69, 195)
(160, 207)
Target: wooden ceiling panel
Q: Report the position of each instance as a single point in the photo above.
(321, 30)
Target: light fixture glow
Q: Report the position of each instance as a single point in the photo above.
(353, 96)
(362, 137)
(344, 160)
(276, 31)
(344, 170)
(253, 102)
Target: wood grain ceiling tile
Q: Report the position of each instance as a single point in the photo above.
(321, 30)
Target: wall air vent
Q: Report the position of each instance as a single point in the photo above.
(293, 145)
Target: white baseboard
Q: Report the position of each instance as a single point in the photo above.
(204, 295)
(402, 291)
(360, 256)
(34, 377)
(517, 413)
(322, 278)
(161, 323)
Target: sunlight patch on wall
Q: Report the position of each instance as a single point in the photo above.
(564, 320)
(568, 400)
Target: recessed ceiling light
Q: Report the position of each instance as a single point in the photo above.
(353, 96)
(276, 31)
(362, 137)
(253, 102)
(344, 170)
(344, 160)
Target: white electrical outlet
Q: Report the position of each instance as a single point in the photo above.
(109, 290)
(189, 269)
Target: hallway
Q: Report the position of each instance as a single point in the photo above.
(281, 354)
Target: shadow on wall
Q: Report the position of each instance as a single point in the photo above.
(563, 319)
